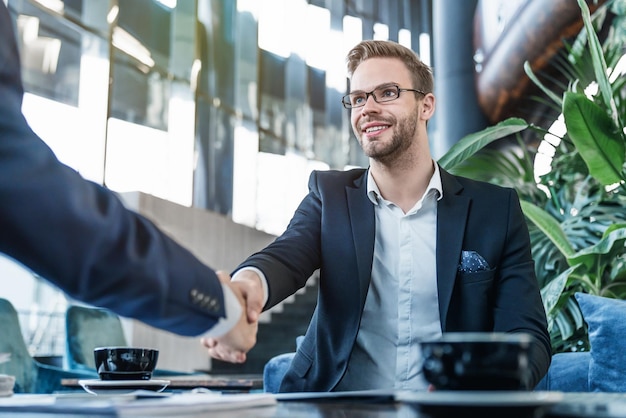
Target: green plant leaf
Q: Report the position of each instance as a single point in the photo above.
(569, 318)
(595, 136)
(549, 93)
(599, 63)
(470, 144)
(575, 313)
(564, 325)
(549, 226)
(552, 293)
(588, 256)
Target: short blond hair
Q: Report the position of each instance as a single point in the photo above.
(421, 73)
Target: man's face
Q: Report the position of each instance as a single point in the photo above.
(384, 130)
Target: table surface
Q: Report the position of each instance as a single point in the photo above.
(281, 410)
(322, 410)
(342, 407)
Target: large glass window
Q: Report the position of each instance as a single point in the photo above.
(186, 77)
(65, 74)
(150, 129)
(50, 55)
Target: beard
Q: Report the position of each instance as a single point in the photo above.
(401, 140)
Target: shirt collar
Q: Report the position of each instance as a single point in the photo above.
(434, 186)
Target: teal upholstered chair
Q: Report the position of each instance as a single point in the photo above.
(31, 376)
(89, 327)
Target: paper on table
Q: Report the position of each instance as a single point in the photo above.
(194, 403)
(48, 404)
(134, 405)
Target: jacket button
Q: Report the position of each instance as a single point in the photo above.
(196, 296)
(205, 301)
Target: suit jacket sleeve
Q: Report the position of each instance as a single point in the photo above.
(293, 257)
(296, 254)
(78, 235)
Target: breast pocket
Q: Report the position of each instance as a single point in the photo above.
(484, 276)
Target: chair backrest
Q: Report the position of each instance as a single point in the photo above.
(21, 363)
(87, 328)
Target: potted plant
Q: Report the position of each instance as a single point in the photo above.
(577, 209)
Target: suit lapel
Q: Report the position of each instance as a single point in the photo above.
(452, 212)
(363, 226)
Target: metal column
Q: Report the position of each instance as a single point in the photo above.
(457, 113)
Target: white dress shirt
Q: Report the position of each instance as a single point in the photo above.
(402, 306)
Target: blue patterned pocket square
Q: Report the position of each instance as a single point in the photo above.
(471, 262)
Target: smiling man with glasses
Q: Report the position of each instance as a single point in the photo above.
(405, 250)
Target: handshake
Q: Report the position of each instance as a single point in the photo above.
(234, 345)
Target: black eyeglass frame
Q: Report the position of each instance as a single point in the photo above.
(345, 100)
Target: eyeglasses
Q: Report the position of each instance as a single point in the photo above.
(381, 94)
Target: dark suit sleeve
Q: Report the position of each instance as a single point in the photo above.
(78, 235)
(293, 257)
(519, 307)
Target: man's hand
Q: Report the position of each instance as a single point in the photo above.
(234, 345)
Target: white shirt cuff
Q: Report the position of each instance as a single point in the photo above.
(263, 281)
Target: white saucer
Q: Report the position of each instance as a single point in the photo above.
(481, 399)
(97, 386)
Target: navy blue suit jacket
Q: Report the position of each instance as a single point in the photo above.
(333, 230)
(79, 236)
